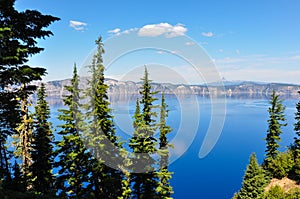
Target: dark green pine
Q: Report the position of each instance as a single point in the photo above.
(74, 166)
(19, 32)
(143, 143)
(106, 178)
(42, 146)
(297, 130)
(9, 118)
(296, 145)
(164, 188)
(275, 123)
(254, 181)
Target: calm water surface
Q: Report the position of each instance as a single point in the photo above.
(220, 173)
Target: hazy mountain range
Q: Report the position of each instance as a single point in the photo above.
(55, 89)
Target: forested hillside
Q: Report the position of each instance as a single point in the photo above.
(278, 176)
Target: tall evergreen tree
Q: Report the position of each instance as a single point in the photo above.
(124, 167)
(101, 136)
(297, 130)
(42, 146)
(164, 188)
(9, 118)
(296, 145)
(23, 140)
(17, 181)
(254, 181)
(74, 159)
(18, 34)
(143, 143)
(275, 123)
(23, 136)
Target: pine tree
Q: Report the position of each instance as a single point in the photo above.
(23, 140)
(297, 130)
(101, 137)
(74, 159)
(276, 192)
(42, 146)
(164, 188)
(18, 34)
(9, 118)
(124, 167)
(296, 146)
(275, 123)
(17, 182)
(23, 136)
(143, 143)
(254, 181)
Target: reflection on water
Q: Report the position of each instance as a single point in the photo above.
(118, 98)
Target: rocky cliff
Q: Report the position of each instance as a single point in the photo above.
(55, 89)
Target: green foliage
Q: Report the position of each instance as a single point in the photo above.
(275, 192)
(74, 165)
(281, 166)
(143, 143)
(164, 130)
(295, 171)
(23, 141)
(147, 100)
(254, 181)
(235, 196)
(126, 185)
(297, 130)
(19, 32)
(9, 119)
(293, 194)
(164, 188)
(275, 123)
(42, 146)
(100, 134)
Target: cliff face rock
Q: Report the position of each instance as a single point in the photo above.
(55, 89)
(285, 183)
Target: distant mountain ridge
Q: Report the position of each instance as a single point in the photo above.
(235, 88)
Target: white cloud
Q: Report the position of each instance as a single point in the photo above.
(221, 50)
(237, 51)
(115, 31)
(166, 29)
(130, 30)
(189, 43)
(207, 34)
(77, 25)
(230, 60)
(261, 68)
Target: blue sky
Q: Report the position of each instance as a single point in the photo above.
(246, 40)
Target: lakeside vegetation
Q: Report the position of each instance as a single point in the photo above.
(279, 174)
(89, 160)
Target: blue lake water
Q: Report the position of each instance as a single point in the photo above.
(219, 174)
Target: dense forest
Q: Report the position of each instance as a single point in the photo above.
(88, 160)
